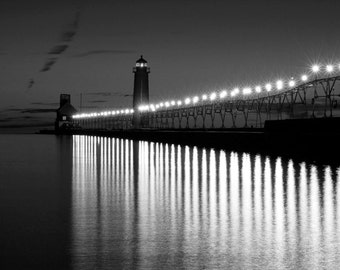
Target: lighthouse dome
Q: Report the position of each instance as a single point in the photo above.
(141, 62)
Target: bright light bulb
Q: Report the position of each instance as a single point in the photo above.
(329, 68)
(187, 101)
(161, 104)
(279, 85)
(173, 103)
(179, 103)
(291, 83)
(157, 106)
(204, 97)
(268, 87)
(304, 78)
(167, 104)
(315, 68)
(212, 96)
(246, 91)
(236, 91)
(223, 94)
(195, 99)
(258, 89)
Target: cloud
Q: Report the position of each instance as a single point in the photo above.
(67, 36)
(38, 111)
(90, 107)
(58, 49)
(30, 84)
(45, 103)
(49, 63)
(97, 101)
(29, 110)
(106, 94)
(20, 125)
(99, 52)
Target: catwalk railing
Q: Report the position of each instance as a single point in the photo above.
(318, 98)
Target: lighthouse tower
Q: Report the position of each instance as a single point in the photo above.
(140, 89)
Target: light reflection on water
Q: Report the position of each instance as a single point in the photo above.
(156, 206)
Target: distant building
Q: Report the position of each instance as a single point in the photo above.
(140, 89)
(64, 113)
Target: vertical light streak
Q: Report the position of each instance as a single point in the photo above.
(328, 207)
(179, 179)
(204, 177)
(314, 216)
(246, 200)
(212, 194)
(234, 198)
(187, 191)
(291, 208)
(195, 191)
(279, 214)
(166, 173)
(223, 196)
(303, 199)
(268, 214)
(258, 195)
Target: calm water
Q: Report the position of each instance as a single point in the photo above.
(100, 203)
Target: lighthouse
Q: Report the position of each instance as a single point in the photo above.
(140, 89)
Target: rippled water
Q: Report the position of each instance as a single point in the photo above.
(113, 203)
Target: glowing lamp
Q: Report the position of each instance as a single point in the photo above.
(304, 78)
(187, 101)
(329, 68)
(279, 85)
(258, 89)
(315, 68)
(223, 94)
(268, 87)
(246, 91)
(213, 96)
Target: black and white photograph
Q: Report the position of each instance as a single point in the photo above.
(158, 134)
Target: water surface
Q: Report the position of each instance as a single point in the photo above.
(87, 202)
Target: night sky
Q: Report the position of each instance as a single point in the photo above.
(90, 47)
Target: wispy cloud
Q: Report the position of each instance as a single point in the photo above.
(45, 103)
(58, 49)
(99, 52)
(26, 125)
(106, 94)
(48, 64)
(66, 38)
(29, 110)
(97, 101)
(38, 111)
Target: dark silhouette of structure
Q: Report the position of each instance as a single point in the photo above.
(64, 113)
(140, 89)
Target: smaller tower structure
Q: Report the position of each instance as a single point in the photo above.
(140, 89)
(64, 113)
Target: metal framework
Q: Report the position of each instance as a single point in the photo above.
(313, 99)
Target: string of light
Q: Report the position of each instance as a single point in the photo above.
(233, 94)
